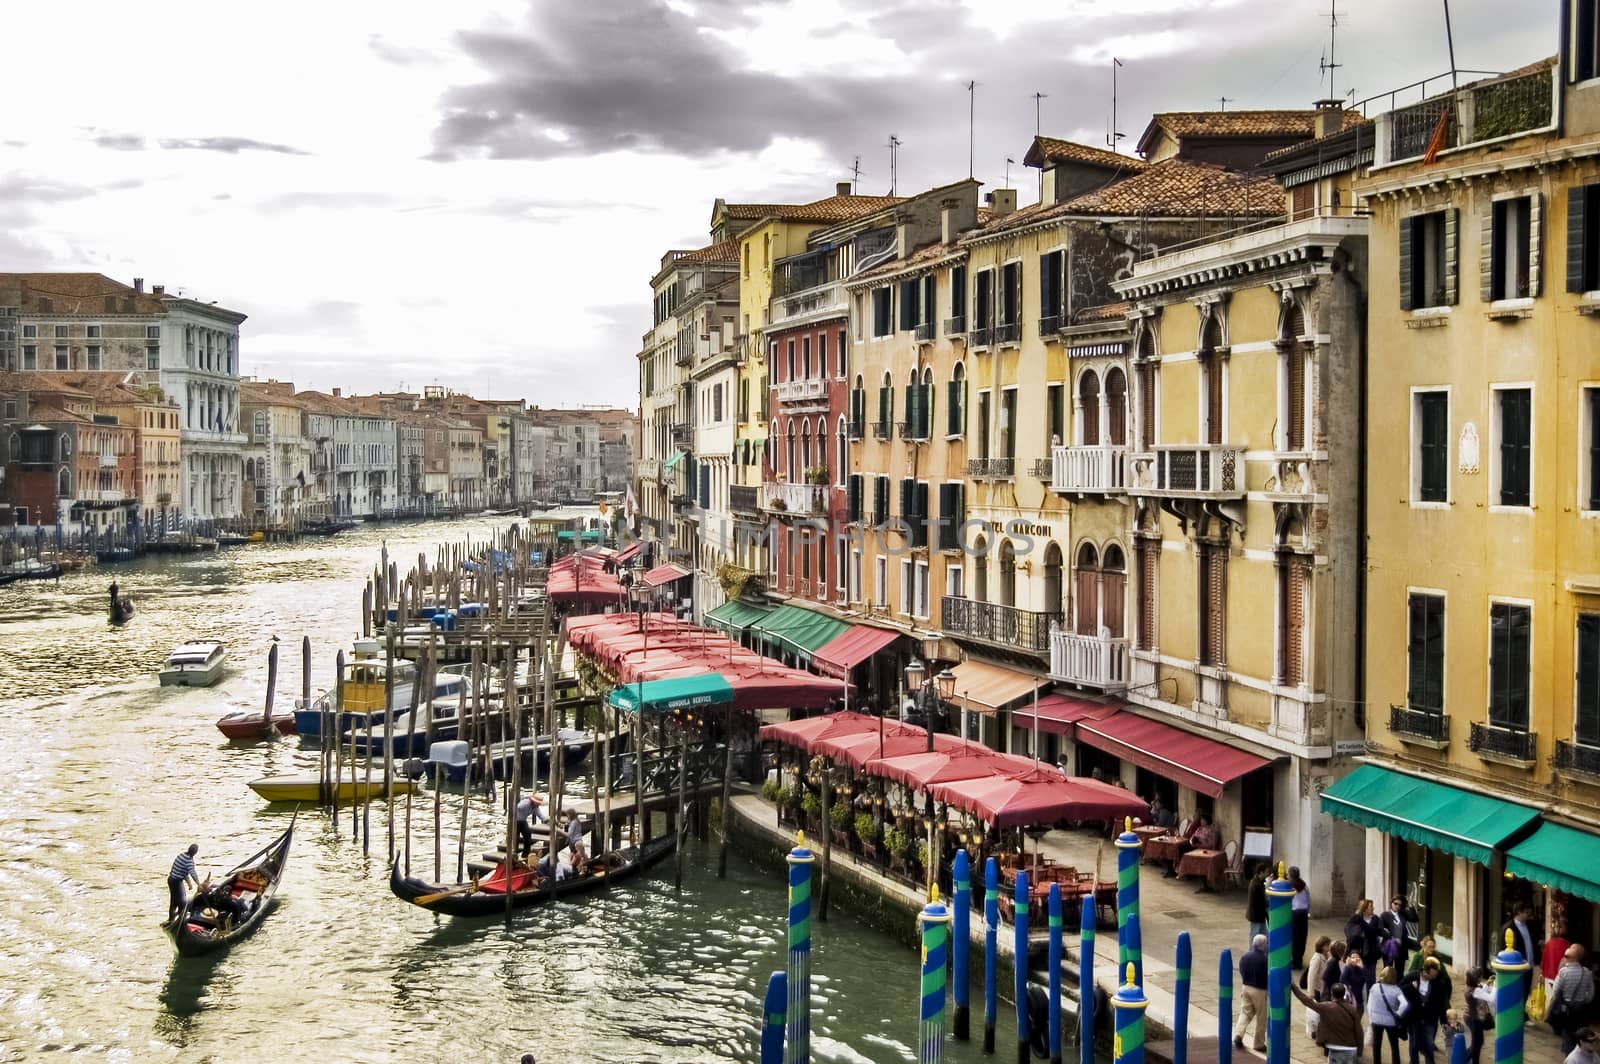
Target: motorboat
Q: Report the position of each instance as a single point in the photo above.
(366, 680)
(196, 664)
(306, 787)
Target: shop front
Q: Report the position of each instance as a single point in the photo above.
(1557, 868)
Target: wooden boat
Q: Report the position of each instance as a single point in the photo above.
(250, 888)
(487, 896)
(304, 786)
(113, 555)
(121, 607)
(249, 724)
(32, 569)
(364, 687)
(232, 539)
(196, 664)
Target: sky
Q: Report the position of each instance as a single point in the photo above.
(476, 194)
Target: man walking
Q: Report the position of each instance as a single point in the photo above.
(1253, 976)
(181, 874)
(1393, 922)
(1428, 992)
(1526, 939)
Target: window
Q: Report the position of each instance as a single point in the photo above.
(1583, 235)
(882, 312)
(919, 606)
(1509, 627)
(1513, 424)
(880, 501)
(1432, 432)
(1051, 266)
(1586, 726)
(152, 356)
(928, 307)
(61, 332)
(30, 356)
(92, 353)
(880, 576)
(152, 332)
(1116, 408)
(855, 576)
(822, 355)
(843, 369)
(63, 357)
(885, 409)
(1011, 293)
(956, 407)
(1088, 408)
(952, 512)
(1086, 595)
(1147, 556)
(858, 410)
(1147, 380)
(954, 581)
(984, 400)
(92, 331)
(1293, 572)
(1589, 490)
(1428, 260)
(1508, 264)
(1055, 415)
(1585, 40)
(1213, 604)
(1008, 423)
(30, 332)
(983, 303)
(958, 300)
(907, 587)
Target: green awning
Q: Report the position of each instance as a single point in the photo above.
(799, 630)
(1560, 857)
(734, 617)
(677, 456)
(1429, 814)
(667, 696)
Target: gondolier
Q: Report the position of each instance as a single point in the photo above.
(181, 874)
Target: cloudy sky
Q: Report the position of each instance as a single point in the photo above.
(476, 193)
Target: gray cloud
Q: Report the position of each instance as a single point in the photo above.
(20, 188)
(120, 141)
(227, 145)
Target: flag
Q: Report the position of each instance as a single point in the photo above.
(1441, 131)
(630, 505)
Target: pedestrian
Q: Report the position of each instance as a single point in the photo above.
(1396, 922)
(179, 876)
(1338, 1025)
(1253, 976)
(1355, 976)
(1588, 1050)
(1364, 933)
(1311, 975)
(1331, 972)
(1300, 917)
(1428, 991)
(1255, 905)
(1555, 948)
(524, 825)
(1480, 1009)
(1571, 997)
(574, 828)
(1387, 1006)
(1525, 937)
(1428, 947)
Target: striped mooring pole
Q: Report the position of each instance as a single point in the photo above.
(1458, 1049)
(991, 946)
(1279, 892)
(798, 1049)
(1055, 973)
(1019, 967)
(934, 922)
(1128, 938)
(1086, 982)
(961, 944)
(775, 1011)
(1180, 1005)
(1510, 1002)
(1225, 1007)
(1129, 1003)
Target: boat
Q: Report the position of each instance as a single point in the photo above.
(366, 680)
(31, 569)
(327, 527)
(121, 606)
(249, 724)
(113, 555)
(305, 787)
(232, 539)
(576, 746)
(487, 896)
(250, 887)
(196, 664)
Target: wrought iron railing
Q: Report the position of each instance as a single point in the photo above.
(956, 326)
(1043, 469)
(883, 430)
(1419, 724)
(1050, 325)
(1008, 332)
(991, 468)
(744, 498)
(1503, 742)
(1193, 469)
(981, 336)
(923, 332)
(912, 430)
(1476, 113)
(997, 625)
(1578, 757)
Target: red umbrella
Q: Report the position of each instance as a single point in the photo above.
(1038, 796)
(898, 739)
(964, 762)
(804, 733)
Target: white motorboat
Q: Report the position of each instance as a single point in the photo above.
(197, 664)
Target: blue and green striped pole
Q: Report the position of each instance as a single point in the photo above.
(1180, 1008)
(1510, 1002)
(1225, 1007)
(991, 946)
(1129, 1003)
(1086, 982)
(1128, 938)
(1055, 973)
(961, 943)
(1279, 892)
(774, 1010)
(1019, 967)
(934, 922)
(800, 860)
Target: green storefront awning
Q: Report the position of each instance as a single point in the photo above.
(799, 630)
(1429, 814)
(666, 696)
(677, 456)
(1560, 857)
(734, 617)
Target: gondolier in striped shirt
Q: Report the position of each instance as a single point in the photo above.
(182, 873)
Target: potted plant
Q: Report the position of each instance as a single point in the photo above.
(817, 474)
(897, 842)
(770, 790)
(867, 832)
(811, 806)
(788, 802)
(839, 820)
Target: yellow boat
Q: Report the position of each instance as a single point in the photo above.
(304, 787)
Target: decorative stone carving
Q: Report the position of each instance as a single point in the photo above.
(1467, 449)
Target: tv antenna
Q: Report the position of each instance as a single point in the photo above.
(1037, 125)
(1114, 134)
(894, 162)
(1009, 161)
(1327, 65)
(1224, 101)
(972, 124)
(855, 174)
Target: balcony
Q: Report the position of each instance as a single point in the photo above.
(1089, 660)
(684, 356)
(108, 460)
(744, 498)
(1189, 471)
(801, 500)
(1419, 727)
(1503, 744)
(820, 301)
(647, 468)
(1005, 627)
(956, 327)
(1578, 759)
(1008, 332)
(858, 429)
(981, 336)
(912, 431)
(882, 430)
(1484, 111)
(683, 502)
(801, 391)
(1050, 325)
(1089, 470)
(1043, 469)
(681, 434)
(923, 333)
(991, 468)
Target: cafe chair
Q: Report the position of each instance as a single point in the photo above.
(1234, 868)
(1183, 827)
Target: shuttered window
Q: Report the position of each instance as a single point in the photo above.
(1148, 553)
(1428, 259)
(908, 305)
(1213, 604)
(1294, 371)
(853, 500)
(1425, 653)
(1592, 395)
(1212, 367)
(1515, 445)
(1089, 409)
(1113, 596)
(928, 305)
(1116, 408)
(1433, 446)
(983, 300)
(1147, 405)
(1055, 417)
(1583, 238)
(1509, 260)
(880, 501)
(958, 298)
(885, 410)
(1304, 198)
(1586, 729)
(1291, 619)
(882, 312)
(1011, 293)
(1509, 632)
(858, 413)
(1086, 580)
(919, 510)
(956, 407)
(952, 511)
(1050, 291)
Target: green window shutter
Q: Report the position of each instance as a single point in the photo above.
(1577, 209)
(1407, 300)
(1452, 256)
(1491, 255)
(1535, 242)
(919, 506)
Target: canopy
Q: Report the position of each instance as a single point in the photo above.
(1560, 857)
(735, 616)
(1058, 713)
(1429, 814)
(582, 579)
(667, 696)
(797, 629)
(857, 749)
(671, 463)
(803, 733)
(850, 648)
(985, 688)
(1039, 796)
(626, 554)
(664, 574)
(964, 762)
(1203, 764)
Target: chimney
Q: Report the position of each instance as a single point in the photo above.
(338, 393)
(842, 188)
(158, 289)
(947, 221)
(138, 285)
(1002, 201)
(1329, 118)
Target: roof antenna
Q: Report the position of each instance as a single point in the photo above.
(1225, 101)
(855, 175)
(1450, 39)
(972, 123)
(1114, 134)
(1009, 161)
(894, 162)
(1327, 65)
(1037, 125)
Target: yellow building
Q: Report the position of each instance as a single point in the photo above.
(160, 462)
(1483, 507)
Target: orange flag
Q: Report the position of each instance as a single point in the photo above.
(1440, 130)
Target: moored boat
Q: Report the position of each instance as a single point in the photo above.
(248, 724)
(31, 569)
(305, 787)
(366, 681)
(216, 917)
(195, 664)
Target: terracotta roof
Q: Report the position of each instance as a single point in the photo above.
(106, 386)
(1104, 312)
(751, 211)
(727, 251)
(835, 208)
(1045, 150)
(1298, 123)
(1179, 188)
(278, 393)
(77, 293)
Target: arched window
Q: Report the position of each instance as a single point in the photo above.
(980, 569)
(805, 451)
(1086, 578)
(1089, 409)
(822, 443)
(1146, 368)
(1113, 590)
(64, 483)
(1008, 574)
(1292, 359)
(956, 406)
(1052, 581)
(858, 409)
(841, 455)
(1116, 408)
(1211, 368)
(788, 466)
(925, 405)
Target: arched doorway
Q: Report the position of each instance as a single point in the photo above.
(1008, 574)
(1116, 408)
(980, 569)
(1089, 408)
(1113, 591)
(1053, 602)
(1086, 577)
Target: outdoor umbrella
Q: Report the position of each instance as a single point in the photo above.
(1038, 796)
(964, 762)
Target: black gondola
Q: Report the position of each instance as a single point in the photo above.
(217, 917)
(470, 899)
(121, 606)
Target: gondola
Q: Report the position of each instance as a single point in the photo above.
(121, 607)
(252, 884)
(487, 896)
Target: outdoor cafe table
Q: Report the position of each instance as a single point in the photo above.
(1164, 848)
(1207, 863)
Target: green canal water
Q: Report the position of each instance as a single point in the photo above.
(104, 776)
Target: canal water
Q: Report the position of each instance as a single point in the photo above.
(105, 776)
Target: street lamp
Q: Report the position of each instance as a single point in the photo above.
(921, 685)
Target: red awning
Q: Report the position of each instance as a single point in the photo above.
(856, 749)
(803, 733)
(1058, 713)
(1204, 765)
(850, 648)
(627, 554)
(581, 578)
(664, 574)
(1039, 796)
(964, 762)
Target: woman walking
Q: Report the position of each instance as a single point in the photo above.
(1386, 1010)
